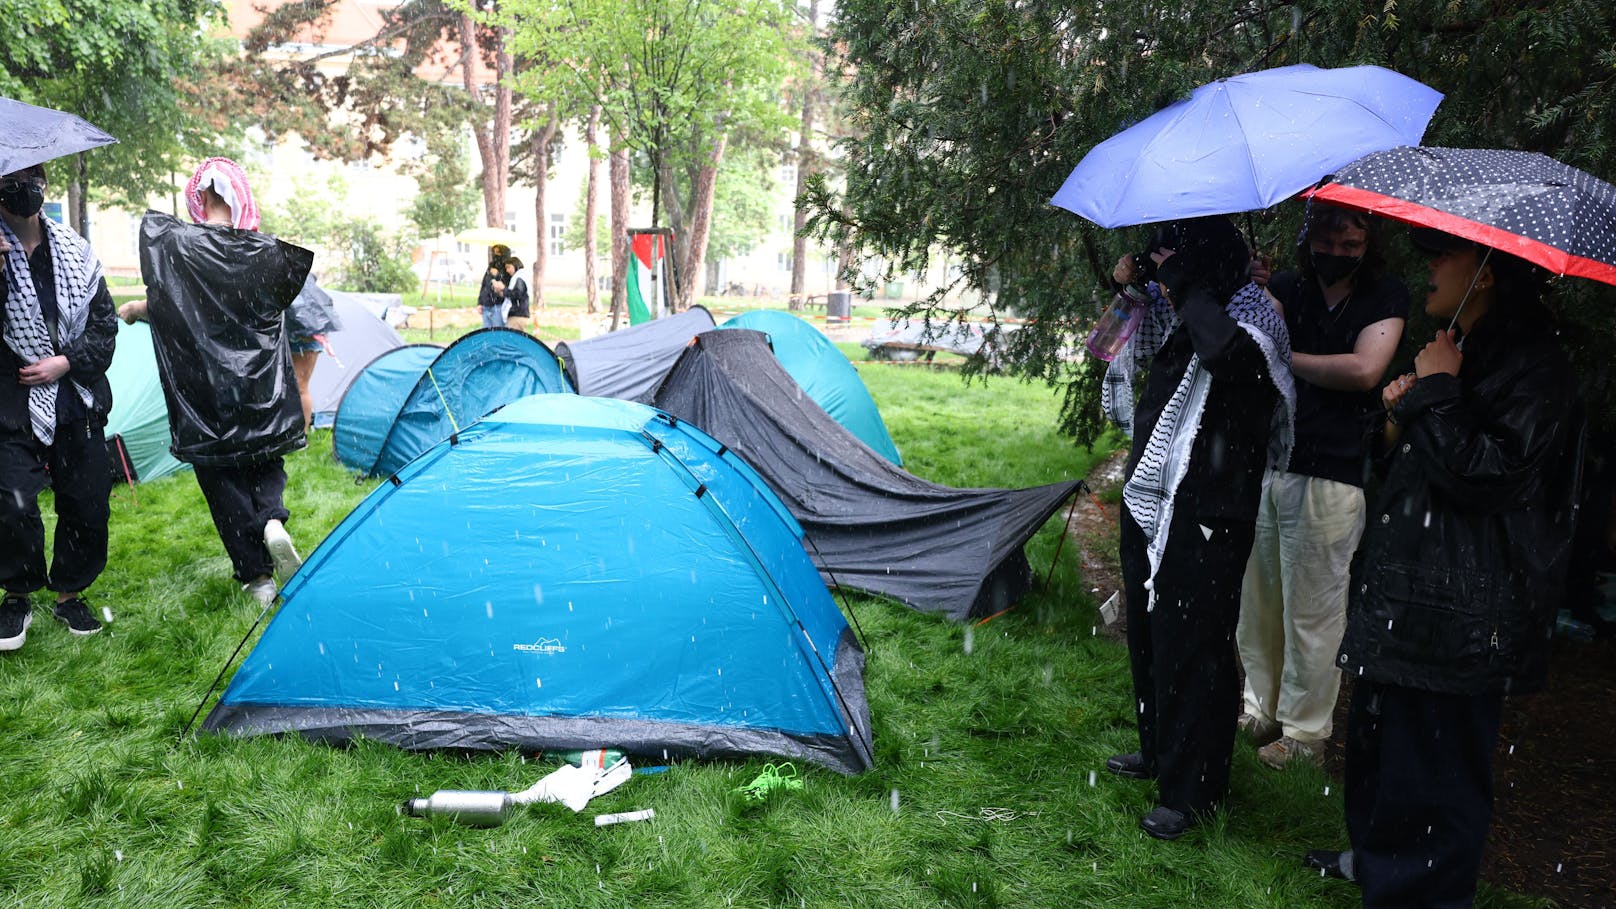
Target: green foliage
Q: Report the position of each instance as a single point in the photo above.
(351, 253)
(447, 199)
(966, 117)
(135, 68)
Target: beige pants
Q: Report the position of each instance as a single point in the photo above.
(517, 322)
(1293, 604)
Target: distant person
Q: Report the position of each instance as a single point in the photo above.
(1461, 572)
(1345, 318)
(216, 296)
(491, 297)
(309, 319)
(59, 331)
(516, 298)
(1214, 412)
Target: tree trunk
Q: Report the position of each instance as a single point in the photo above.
(591, 210)
(541, 171)
(620, 252)
(690, 271)
(805, 164)
(493, 144)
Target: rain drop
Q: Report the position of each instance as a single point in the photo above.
(894, 801)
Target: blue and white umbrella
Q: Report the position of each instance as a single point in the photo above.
(1246, 143)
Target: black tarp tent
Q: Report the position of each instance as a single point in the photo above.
(870, 524)
(628, 363)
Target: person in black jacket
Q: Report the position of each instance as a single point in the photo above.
(59, 332)
(1205, 428)
(1461, 570)
(491, 296)
(516, 316)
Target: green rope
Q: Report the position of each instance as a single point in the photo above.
(443, 400)
(774, 778)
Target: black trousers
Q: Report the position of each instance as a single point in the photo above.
(243, 499)
(76, 466)
(1419, 793)
(1182, 652)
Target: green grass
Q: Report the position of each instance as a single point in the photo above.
(988, 788)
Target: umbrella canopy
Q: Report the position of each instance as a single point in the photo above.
(1523, 203)
(1246, 142)
(34, 135)
(488, 236)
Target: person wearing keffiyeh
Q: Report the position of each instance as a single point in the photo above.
(216, 296)
(59, 331)
(1214, 413)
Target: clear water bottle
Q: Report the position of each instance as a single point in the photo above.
(465, 806)
(1118, 323)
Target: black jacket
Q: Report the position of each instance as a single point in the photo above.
(89, 355)
(1461, 569)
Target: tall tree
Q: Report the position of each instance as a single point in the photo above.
(806, 156)
(135, 68)
(591, 208)
(672, 81)
(966, 117)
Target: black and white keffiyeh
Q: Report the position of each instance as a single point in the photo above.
(77, 278)
(1149, 490)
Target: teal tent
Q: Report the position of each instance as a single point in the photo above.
(139, 413)
(824, 373)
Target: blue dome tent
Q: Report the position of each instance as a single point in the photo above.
(378, 430)
(824, 373)
(568, 573)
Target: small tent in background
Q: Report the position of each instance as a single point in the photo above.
(368, 408)
(139, 413)
(869, 524)
(825, 373)
(364, 336)
(468, 380)
(630, 362)
(568, 573)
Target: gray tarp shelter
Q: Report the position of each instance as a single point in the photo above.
(363, 337)
(628, 363)
(870, 524)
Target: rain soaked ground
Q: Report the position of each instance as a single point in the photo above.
(1554, 831)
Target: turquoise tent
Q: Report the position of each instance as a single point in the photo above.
(139, 413)
(391, 412)
(824, 373)
(568, 573)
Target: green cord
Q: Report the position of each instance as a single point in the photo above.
(774, 777)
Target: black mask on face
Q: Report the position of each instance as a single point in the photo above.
(1331, 269)
(23, 199)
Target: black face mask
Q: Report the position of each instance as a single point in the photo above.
(23, 199)
(1331, 269)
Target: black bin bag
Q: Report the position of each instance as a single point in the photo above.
(216, 300)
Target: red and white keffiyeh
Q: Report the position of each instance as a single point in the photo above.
(226, 178)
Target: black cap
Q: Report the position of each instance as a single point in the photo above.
(1432, 240)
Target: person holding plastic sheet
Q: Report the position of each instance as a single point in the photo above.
(1345, 319)
(1214, 412)
(308, 320)
(217, 292)
(1461, 571)
(59, 331)
(516, 300)
(491, 298)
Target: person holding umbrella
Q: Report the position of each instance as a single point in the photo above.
(1477, 476)
(1345, 318)
(59, 332)
(491, 297)
(1219, 383)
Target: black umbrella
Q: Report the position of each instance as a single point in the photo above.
(1523, 203)
(33, 135)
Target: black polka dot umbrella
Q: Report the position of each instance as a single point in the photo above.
(1524, 203)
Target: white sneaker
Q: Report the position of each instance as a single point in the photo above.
(263, 590)
(279, 543)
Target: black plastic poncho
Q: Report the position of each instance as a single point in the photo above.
(216, 299)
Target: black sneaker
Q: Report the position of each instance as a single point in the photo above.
(75, 614)
(16, 614)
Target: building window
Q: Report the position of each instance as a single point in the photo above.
(558, 233)
(788, 176)
(782, 261)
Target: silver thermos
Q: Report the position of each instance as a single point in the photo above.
(466, 806)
